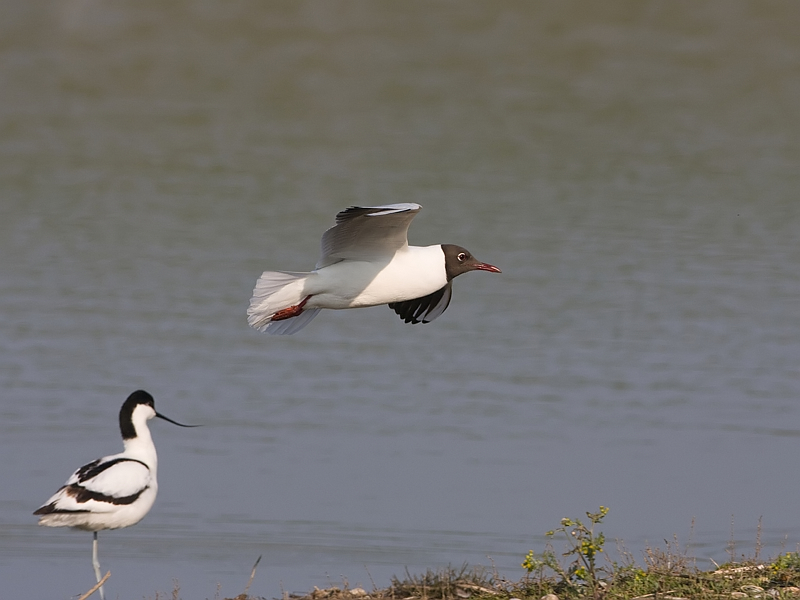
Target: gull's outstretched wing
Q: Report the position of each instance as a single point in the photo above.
(425, 309)
(367, 233)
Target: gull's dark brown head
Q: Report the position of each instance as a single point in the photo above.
(458, 260)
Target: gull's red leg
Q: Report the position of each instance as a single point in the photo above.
(292, 311)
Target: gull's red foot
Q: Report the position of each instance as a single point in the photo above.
(292, 311)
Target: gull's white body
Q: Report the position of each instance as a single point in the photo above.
(357, 283)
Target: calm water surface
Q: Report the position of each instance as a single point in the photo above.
(632, 167)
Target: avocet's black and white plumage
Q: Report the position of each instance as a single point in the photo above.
(114, 491)
(366, 261)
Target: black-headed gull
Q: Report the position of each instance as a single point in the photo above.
(366, 261)
(113, 491)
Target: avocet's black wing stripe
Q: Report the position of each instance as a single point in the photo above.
(80, 474)
(94, 468)
(52, 508)
(425, 309)
(81, 496)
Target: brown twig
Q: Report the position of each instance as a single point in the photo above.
(96, 586)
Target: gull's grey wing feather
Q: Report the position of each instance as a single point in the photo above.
(367, 233)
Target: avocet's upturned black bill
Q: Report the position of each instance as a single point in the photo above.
(114, 491)
(366, 261)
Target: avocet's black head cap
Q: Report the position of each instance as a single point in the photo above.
(458, 260)
(126, 412)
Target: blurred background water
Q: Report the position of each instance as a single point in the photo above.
(631, 166)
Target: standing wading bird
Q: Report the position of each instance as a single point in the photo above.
(114, 491)
(366, 261)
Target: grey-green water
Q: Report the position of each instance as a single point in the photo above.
(633, 167)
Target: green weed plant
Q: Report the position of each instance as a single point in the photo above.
(584, 545)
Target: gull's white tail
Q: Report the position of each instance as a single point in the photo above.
(276, 291)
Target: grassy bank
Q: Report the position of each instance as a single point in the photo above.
(661, 579)
(575, 565)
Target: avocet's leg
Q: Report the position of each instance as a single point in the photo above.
(96, 564)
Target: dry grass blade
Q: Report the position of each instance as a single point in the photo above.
(744, 570)
(478, 588)
(244, 594)
(252, 575)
